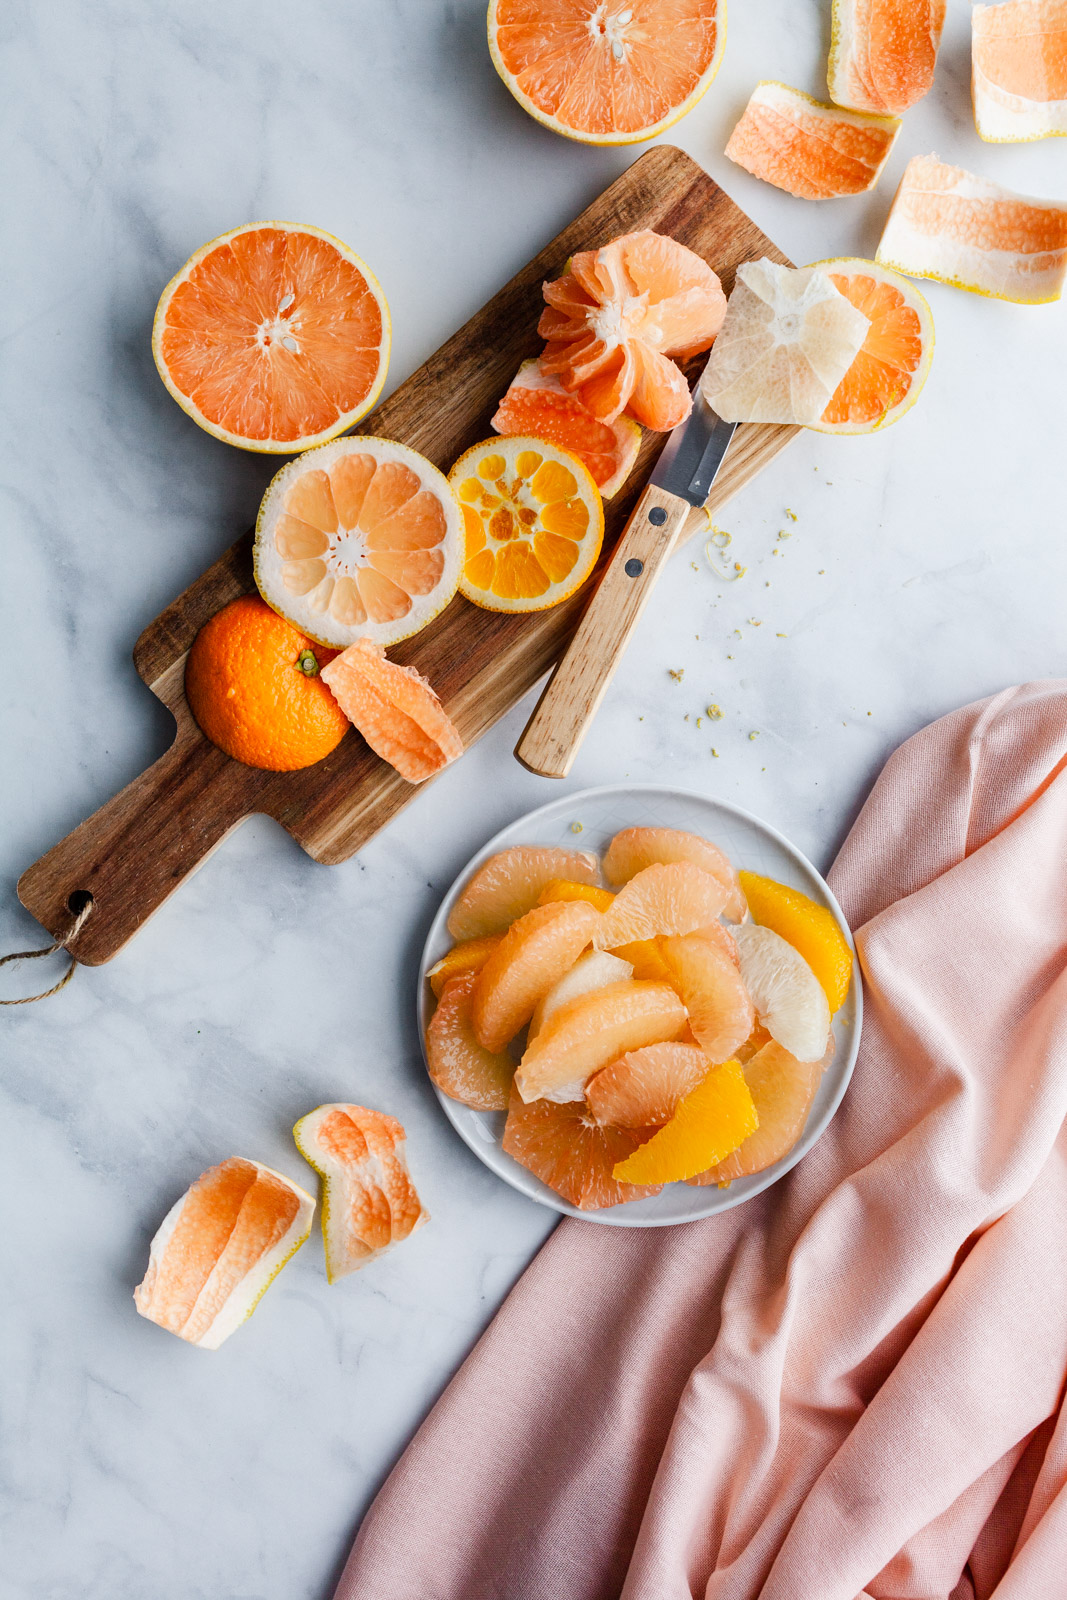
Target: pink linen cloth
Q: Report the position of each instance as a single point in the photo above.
(851, 1385)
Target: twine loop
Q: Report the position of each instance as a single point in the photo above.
(72, 932)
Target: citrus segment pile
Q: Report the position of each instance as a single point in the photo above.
(887, 375)
(811, 150)
(458, 1062)
(509, 884)
(709, 1123)
(538, 405)
(273, 337)
(636, 848)
(1019, 70)
(882, 52)
(812, 929)
(395, 709)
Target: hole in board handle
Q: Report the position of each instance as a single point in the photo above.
(78, 900)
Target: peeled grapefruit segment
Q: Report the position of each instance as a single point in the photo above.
(810, 149)
(565, 1148)
(710, 1122)
(218, 1249)
(595, 970)
(588, 1032)
(469, 955)
(508, 885)
(607, 73)
(671, 897)
(369, 1202)
(810, 928)
(540, 406)
(960, 229)
(1019, 70)
(532, 956)
(886, 378)
(359, 540)
(620, 318)
(788, 339)
(882, 52)
(782, 1090)
(633, 849)
(642, 1089)
(789, 999)
(274, 337)
(460, 1066)
(395, 710)
(710, 987)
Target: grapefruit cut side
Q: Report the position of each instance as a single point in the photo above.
(710, 1122)
(532, 957)
(642, 1089)
(885, 379)
(882, 52)
(273, 337)
(782, 1090)
(592, 1030)
(457, 1063)
(508, 885)
(665, 898)
(395, 710)
(1019, 70)
(636, 848)
(565, 1148)
(540, 406)
(811, 150)
(789, 999)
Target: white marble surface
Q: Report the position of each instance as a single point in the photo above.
(927, 567)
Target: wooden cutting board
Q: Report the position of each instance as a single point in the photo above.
(136, 850)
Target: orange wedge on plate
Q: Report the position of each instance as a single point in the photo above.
(810, 928)
(469, 955)
(782, 1090)
(882, 52)
(540, 406)
(811, 150)
(709, 1123)
(1019, 70)
(395, 709)
(887, 375)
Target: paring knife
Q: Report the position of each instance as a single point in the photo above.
(682, 478)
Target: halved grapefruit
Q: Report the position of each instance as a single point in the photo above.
(887, 375)
(539, 405)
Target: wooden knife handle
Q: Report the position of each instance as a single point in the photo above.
(574, 691)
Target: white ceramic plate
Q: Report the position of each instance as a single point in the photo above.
(750, 844)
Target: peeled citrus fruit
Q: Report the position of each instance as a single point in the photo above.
(620, 318)
(395, 710)
(567, 889)
(812, 929)
(642, 1089)
(812, 150)
(950, 225)
(458, 1064)
(1019, 70)
(254, 685)
(595, 970)
(592, 1030)
(882, 52)
(533, 521)
(789, 338)
(710, 987)
(886, 377)
(273, 337)
(369, 1202)
(361, 539)
(613, 73)
(540, 406)
(789, 999)
(565, 1148)
(782, 1089)
(469, 955)
(633, 849)
(508, 885)
(671, 897)
(218, 1249)
(532, 956)
(710, 1122)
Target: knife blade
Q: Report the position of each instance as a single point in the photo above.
(693, 454)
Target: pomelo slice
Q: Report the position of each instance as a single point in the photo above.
(530, 959)
(592, 1030)
(886, 378)
(607, 73)
(789, 999)
(595, 970)
(1019, 70)
(642, 1089)
(811, 150)
(633, 849)
(671, 897)
(274, 337)
(782, 1090)
(788, 339)
(812, 929)
(469, 955)
(219, 1248)
(882, 52)
(508, 885)
(361, 539)
(539, 406)
(565, 1148)
(710, 986)
(457, 1063)
(369, 1202)
(960, 229)
(395, 710)
(710, 1122)
(621, 317)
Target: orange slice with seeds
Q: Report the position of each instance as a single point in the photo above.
(395, 710)
(1019, 70)
(508, 885)
(812, 150)
(532, 956)
(540, 407)
(709, 1123)
(633, 849)
(886, 377)
(565, 1148)
(882, 52)
(588, 1032)
(460, 1066)
(533, 522)
(642, 1089)
(672, 897)
(469, 955)
(782, 1090)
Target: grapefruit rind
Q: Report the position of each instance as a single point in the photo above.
(844, 46)
(1002, 115)
(807, 131)
(848, 266)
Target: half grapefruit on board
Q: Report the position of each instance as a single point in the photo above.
(274, 336)
(887, 375)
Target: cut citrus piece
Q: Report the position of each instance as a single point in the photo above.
(533, 520)
(565, 1148)
(469, 955)
(593, 1029)
(788, 997)
(642, 1089)
(636, 848)
(218, 1249)
(1019, 70)
(882, 52)
(812, 929)
(539, 406)
(532, 956)
(885, 379)
(710, 1122)
(273, 337)
(508, 885)
(670, 897)
(253, 684)
(950, 225)
(395, 710)
(595, 970)
(369, 1202)
(646, 959)
(567, 889)
(710, 987)
(788, 340)
(457, 1063)
(811, 150)
(620, 318)
(361, 539)
(782, 1089)
(614, 73)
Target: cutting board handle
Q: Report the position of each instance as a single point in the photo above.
(139, 847)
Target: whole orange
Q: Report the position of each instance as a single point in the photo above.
(251, 695)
